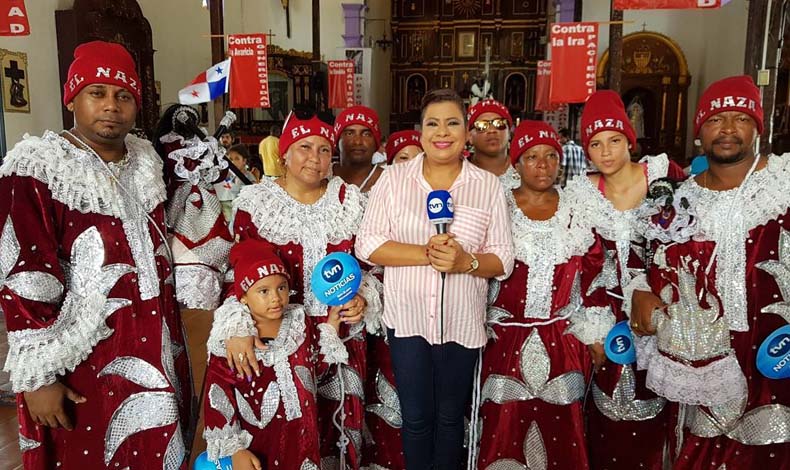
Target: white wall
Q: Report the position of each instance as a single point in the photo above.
(713, 41)
(42, 67)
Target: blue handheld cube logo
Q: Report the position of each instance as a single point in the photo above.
(333, 271)
(773, 355)
(619, 344)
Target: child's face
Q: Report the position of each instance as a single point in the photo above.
(268, 297)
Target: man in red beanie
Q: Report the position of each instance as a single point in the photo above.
(489, 133)
(723, 273)
(96, 351)
(358, 137)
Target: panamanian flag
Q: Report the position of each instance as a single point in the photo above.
(207, 86)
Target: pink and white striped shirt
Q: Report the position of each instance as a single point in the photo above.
(412, 294)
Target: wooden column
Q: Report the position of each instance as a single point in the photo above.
(615, 49)
(316, 35)
(217, 49)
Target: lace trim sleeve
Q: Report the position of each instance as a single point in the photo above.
(226, 441)
(331, 346)
(637, 283)
(591, 324)
(232, 319)
(372, 290)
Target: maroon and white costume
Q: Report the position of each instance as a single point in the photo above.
(303, 234)
(200, 239)
(541, 318)
(722, 265)
(627, 425)
(275, 415)
(89, 301)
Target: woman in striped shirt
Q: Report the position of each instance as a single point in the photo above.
(435, 325)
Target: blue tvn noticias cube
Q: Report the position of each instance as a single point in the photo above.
(336, 279)
(773, 356)
(619, 345)
(203, 463)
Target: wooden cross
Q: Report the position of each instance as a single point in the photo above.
(14, 72)
(269, 37)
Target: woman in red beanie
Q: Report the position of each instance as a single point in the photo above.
(623, 433)
(307, 216)
(536, 365)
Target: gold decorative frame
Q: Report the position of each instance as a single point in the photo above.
(14, 60)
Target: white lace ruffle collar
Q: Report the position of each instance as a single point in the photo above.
(77, 179)
(281, 219)
(553, 239)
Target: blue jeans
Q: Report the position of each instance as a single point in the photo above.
(434, 386)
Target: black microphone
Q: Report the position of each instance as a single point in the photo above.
(440, 213)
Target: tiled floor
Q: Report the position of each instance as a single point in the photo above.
(197, 323)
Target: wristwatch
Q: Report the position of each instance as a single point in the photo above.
(473, 265)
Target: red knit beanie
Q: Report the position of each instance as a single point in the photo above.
(487, 106)
(102, 62)
(531, 133)
(604, 111)
(361, 115)
(253, 260)
(399, 140)
(730, 94)
(296, 129)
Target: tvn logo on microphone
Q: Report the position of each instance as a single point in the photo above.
(440, 207)
(436, 205)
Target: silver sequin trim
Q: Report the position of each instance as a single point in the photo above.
(306, 377)
(535, 370)
(622, 405)
(690, 332)
(175, 452)
(139, 412)
(768, 424)
(534, 449)
(780, 270)
(352, 384)
(26, 444)
(218, 400)
(388, 408)
(135, 370)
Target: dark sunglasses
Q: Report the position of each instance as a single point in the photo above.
(304, 113)
(499, 124)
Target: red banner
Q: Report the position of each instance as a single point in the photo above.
(341, 83)
(249, 71)
(13, 18)
(665, 4)
(574, 55)
(543, 87)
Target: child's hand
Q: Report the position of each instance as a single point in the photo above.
(597, 354)
(334, 318)
(245, 460)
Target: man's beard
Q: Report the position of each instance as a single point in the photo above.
(109, 134)
(744, 153)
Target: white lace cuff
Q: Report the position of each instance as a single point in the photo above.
(646, 347)
(198, 286)
(231, 320)
(225, 441)
(591, 324)
(372, 290)
(37, 356)
(637, 283)
(330, 345)
(714, 384)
